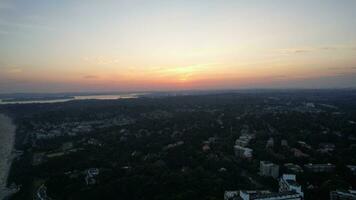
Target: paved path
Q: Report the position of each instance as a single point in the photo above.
(7, 138)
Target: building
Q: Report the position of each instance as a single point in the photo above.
(91, 175)
(293, 168)
(352, 168)
(289, 189)
(298, 153)
(269, 169)
(206, 148)
(41, 193)
(284, 143)
(243, 152)
(343, 195)
(304, 145)
(319, 167)
(244, 140)
(289, 183)
(231, 195)
(326, 148)
(270, 143)
(261, 195)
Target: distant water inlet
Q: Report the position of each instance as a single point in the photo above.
(7, 138)
(71, 98)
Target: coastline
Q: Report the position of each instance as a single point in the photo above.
(7, 141)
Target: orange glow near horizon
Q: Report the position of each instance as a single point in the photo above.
(174, 45)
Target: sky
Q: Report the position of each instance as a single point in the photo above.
(136, 45)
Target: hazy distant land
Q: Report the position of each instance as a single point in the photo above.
(57, 98)
(7, 138)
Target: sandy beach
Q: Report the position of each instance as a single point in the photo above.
(7, 138)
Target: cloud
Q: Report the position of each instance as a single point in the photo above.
(328, 48)
(4, 32)
(341, 68)
(24, 24)
(301, 51)
(101, 60)
(91, 77)
(6, 5)
(315, 49)
(12, 70)
(295, 51)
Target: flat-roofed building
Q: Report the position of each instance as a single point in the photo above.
(244, 139)
(352, 168)
(319, 167)
(293, 168)
(269, 169)
(288, 182)
(343, 195)
(231, 195)
(261, 195)
(243, 152)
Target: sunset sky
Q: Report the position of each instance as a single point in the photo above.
(125, 45)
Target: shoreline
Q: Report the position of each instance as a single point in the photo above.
(7, 142)
(73, 98)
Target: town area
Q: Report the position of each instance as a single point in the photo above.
(235, 145)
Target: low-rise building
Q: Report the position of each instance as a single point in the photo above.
(91, 175)
(261, 195)
(298, 153)
(231, 195)
(289, 190)
(304, 145)
(284, 143)
(270, 143)
(288, 182)
(243, 152)
(319, 167)
(352, 168)
(293, 168)
(343, 195)
(326, 148)
(244, 140)
(269, 169)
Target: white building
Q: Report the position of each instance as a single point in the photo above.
(288, 182)
(269, 169)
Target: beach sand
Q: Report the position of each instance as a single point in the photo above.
(7, 138)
